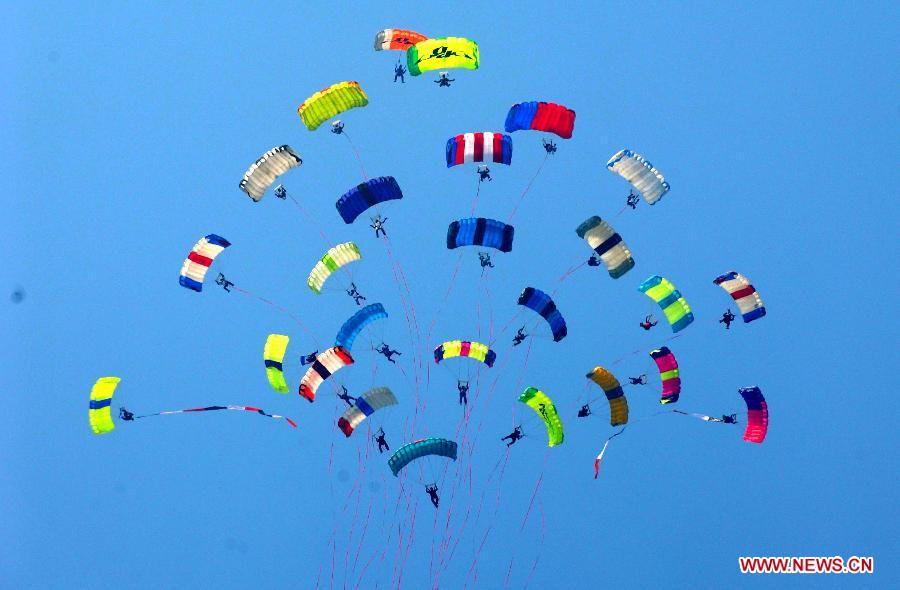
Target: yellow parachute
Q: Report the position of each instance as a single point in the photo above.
(331, 102)
(273, 356)
(618, 405)
(334, 259)
(101, 398)
(442, 53)
(538, 401)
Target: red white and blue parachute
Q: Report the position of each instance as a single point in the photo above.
(365, 406)
(325, 365)
(201, 257)
(469, 148)
(757, 414)
(480, 231)
(744, 294)
(541, 116)
(540, 302)
(367, 194)
(346, 336)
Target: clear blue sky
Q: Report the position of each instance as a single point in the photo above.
(126, 132)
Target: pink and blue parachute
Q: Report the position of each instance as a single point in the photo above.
(469, 148)
(541, 116)
(744, 294)
(668, 374)
(346, 336)
(421, 448)
(480, 231)
(195, 266)
(538, 301)
(757, 414)
(372, 192)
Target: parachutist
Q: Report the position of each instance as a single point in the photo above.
(126, 415)
(484, 173)
(485, 259)
(594, 260)
(432, 492)
(632, 200)
(399, 70)
(585, 411)
(337, 127)
(281, 192)
(642, 380)
(382, 442)
(520, 336)
(727, 318)
(226, 284)
(443, 80)
(309, 358)
(355, 294)
(729, 418)
(463, 387)
(347, 397)
(387, 352)
(378, 225)
(513, 436)
(549, 146)
(648, 322)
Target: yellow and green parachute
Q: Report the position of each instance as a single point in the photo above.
(670, 299)
(475, 350)
(99, 414)
(330, 102)
(538, 401)
(273, 356)
(335, 258)
(618, 405)
(442, 53)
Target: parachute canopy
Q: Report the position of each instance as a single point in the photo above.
(663, 292)
(479, 147)
(335, 258)
(538, 401)
(480, 231)
(743, 293)
(668, 374)
(618, 405)
(365, 195)
(541, 116)
(421, 448)
(99, 415)
(757, 414)
(399, 39)
(537, 300)
(201, 257)
(607, 244)
(646, 179)
(330, 102)
(263, 172)
(273, 357)
(323, 367)
(442, 53)
(365, 406)
(475, 350)
(350, 330)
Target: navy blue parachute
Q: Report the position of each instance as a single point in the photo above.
(367, 194)
(362, 318)
(540, 302)
(479, 231)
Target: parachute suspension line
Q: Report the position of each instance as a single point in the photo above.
(358, 158)
(446, 297)
(537, 557)
(527, 188)
(571, 271)
(537, 487)
(310, 219)
(280, 309)
(475, 200)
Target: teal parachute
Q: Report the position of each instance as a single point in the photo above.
(421, 448)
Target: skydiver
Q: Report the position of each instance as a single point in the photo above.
(309, 358)
(485, 259)
(382, 442)
(337, 127)
(125, 414)
(594, 260)
(632, 200)
(432, 491)
(347, 397)
(444, 80)
(520, 336)
(585, 411)
(353, 292)
(729, 419)
(378, 225)
(399, 70)
(549, 146)
(484, 173)
(642, 380)
(463, 387)
(387, 352)
(727, 318)
(221, 280)
(281, 192)
(513, 436)
(648, 322)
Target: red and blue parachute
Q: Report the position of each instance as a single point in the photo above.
(365, 406)
(367, 194)
(201, 257)
(480, 231)
(744, 294)
(469, 148)
(757, 414)
(541, 116)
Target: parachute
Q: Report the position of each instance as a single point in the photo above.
(322, 368)
(668, 374)
(475, 350)
(421, 448)
(273, 357)
(640, 173)
(399, 39)
(757, 414)
(479, 231)
(263, 172)
(330, 102)
(335, 258)
(350, 330)
(442, 53)
(479, 147)
(618, 405)
(365, 195)
(365, 406)
(99, 415)
(538, 401)
(537, 300)
(607, 244)
(193, 271)
(541, 116)
(743, 293)
(663, 292)
(217, 408)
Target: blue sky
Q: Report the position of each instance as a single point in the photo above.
(126, 133)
